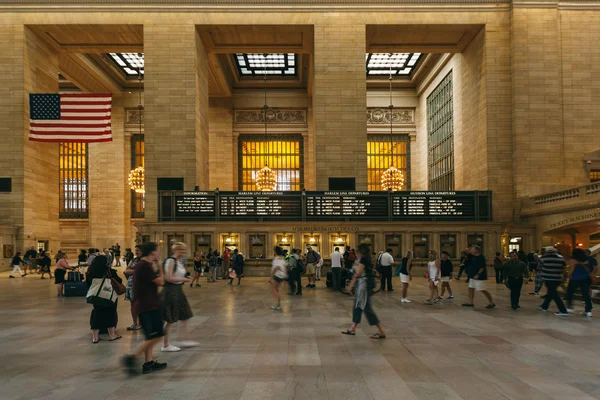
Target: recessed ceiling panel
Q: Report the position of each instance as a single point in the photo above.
(400, 64)
(128, 63)
(281, 64)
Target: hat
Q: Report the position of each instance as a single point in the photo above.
(550, 249)
(446, 253)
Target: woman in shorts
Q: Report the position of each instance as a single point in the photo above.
(197, 269)
(446, 270)
(433, 271)
(405, 275)
(278, 275)
(59, 274)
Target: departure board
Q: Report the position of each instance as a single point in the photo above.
(195, 206)
(260, 205)
(434, 206)
(347, 205)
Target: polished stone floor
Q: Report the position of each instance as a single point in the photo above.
(248, 351)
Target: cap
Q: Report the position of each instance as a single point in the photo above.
(550, 249)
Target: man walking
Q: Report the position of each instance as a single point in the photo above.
(477, 273)
(386, 261)
(553, 267)
(336, 269)
(29, 258)
(514, 272)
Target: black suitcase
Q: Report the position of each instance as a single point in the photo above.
(74, 289)
(74, 276)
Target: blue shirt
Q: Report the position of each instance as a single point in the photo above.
(581, 272)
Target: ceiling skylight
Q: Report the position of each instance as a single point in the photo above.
(282, 64)
(402, 64)
(128, 62)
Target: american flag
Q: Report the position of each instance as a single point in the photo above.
(70, 117)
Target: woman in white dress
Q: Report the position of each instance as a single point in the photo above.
(278, 275)
(433, 271)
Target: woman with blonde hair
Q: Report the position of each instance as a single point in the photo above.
(174, 304)
(433, 271)
(405, 275)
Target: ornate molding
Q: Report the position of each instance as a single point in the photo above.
(132, 118)
(381, 116)
(283, 116)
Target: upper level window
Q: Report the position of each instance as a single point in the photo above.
(381, 153)
(73, 180)
(440, 136)
(137, 160)
(402, 64)
(595, 175)
(283, 64)
(284, 154)
(129, 63)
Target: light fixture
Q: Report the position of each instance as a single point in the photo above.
(284, 239)
(312, 239)
(229, 238)
(266, 179)
(392, 178)
(137, 175)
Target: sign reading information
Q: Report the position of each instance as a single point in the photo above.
(326, 206)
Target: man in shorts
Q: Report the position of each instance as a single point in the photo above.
(147, 305)
(477, 274)
(312, 258)
(29, 258)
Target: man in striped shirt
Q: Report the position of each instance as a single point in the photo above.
(553, 267)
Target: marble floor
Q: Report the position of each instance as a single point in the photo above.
(248, 351)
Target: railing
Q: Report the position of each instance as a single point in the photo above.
(557, 196)
(580, 193)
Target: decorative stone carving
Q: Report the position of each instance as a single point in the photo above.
(274, 116)
(381, 116)
(133, 116)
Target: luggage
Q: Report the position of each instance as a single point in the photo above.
(75, 289)
(74, 276)
(329, 281)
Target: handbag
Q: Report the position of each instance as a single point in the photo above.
(101, 292)
(118, 287)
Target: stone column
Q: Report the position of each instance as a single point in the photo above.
(221, 142)
(176, 108)
(340, 102)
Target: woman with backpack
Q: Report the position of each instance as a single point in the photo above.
(174, 304)
(364, 281)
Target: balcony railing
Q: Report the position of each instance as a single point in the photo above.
(563, 198)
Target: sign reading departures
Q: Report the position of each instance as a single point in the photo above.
(326, 206)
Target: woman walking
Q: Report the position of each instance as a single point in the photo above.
(580, 277)
(278, 275)
(446, 270)
(102, 317)
(433, 271)
(405, 275)
(44, 264)
(174, 304)
(197, 269)
(363, 279)
(59, 274)
(16, 262)
(129, 271)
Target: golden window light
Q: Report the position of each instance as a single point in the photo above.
(136, 180)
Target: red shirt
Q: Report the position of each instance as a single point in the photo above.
(226, 257)
(145, 291)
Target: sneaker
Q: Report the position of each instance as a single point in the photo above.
(468, 305)
(439, 298)
(276, 308)
(129, 365)
(299, 294)
(492, 305)
(450, 298)
(457, 279)
(308, 286)
(153, 366)
(561, 314)
(170, 348)
(570, 310)
(542, 309)
(534, 293)
(188, 343)
(406, 300)
(198, 285)
(428, 302)
(587, 314)
(12, 277)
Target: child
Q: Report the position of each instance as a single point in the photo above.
(433, 268)
(446, 275)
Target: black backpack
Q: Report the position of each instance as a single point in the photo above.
(300, 265)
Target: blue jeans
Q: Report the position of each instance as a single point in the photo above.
(584, 285)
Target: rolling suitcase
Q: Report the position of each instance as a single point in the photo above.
(75, 289)
(74, 276)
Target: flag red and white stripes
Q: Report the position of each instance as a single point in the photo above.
(70, 118)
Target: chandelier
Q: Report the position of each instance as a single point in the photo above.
(266, 178)
(136, 180)
(137, 175)
(392, 178)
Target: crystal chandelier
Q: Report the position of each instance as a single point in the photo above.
(266, 178)
(392, 178)
(136, 176)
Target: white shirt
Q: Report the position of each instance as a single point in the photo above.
(433, 271)
(279, 268)
(386, 260)
(336, 259)
(180, 271)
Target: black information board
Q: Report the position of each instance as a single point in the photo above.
(347, 205)
(260, 205)
(195, 206)
(326, 206)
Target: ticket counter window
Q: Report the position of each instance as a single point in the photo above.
(203, 243)
(515, 243)
(171, 240)
(448, 244)
(230, 241)
(337, 241)
(421, 246)
(476, 240)
(285, 242)
(313, 241)
(394, 242)
(369, 240)
(258, 248)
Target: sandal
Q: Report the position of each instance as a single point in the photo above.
(96, 341)
(378, 336)
(133, 328)
(117, 338)
(349, 332)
